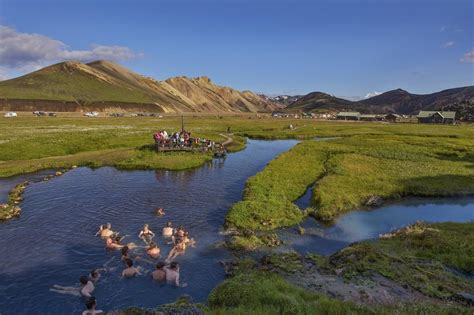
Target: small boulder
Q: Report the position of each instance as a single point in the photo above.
(374, 202)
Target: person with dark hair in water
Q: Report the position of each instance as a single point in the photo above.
(172, 275)
(130, 271)
(153, 251)
(111, 243)
(160, 273)
(124, 251)
(91, 305)
(85, 290)
(94, 276)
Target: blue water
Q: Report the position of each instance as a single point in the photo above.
(53, 241)
(362, 225)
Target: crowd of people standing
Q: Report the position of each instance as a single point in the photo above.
(181, 139)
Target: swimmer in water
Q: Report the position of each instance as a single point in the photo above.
(94, 276)
(168, 230)
(105, 230)
(85, 290)
(91, 306)
(146, 234)
(177, 250)
(124, 252)
(159, 212)
(172, 275)
(111, 243)
(130, 271)
(153, 251)
(189, 241)
(160, 273)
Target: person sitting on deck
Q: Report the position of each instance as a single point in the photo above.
(91, 305)
(153, 251)
(146, 234)
(160, 273)
(130, 271)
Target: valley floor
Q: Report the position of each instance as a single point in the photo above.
(364, 162)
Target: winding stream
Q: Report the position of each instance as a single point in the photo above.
(53, 241)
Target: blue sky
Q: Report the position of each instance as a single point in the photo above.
(346, 48)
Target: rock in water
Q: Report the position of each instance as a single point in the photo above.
(374, 201)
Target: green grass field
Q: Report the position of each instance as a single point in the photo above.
(389, 161)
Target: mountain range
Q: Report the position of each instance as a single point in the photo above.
(103, 85)
(106, 86)
(394, 101)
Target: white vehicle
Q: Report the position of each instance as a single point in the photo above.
(91, 114)
(10, 114)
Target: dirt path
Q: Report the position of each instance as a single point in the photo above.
(228, 140)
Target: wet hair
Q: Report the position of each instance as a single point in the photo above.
(145, 225)
(129, 262)
(160, 265)
(174, 265)
(94, 273)
(124, 251)
(168, 224)
(91, 302)
(83, 280)
(152, 245)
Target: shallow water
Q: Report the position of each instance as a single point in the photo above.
(53, 241)
(362, 225)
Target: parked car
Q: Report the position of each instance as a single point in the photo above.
(10, 114)
(91, 114)
(40, 113)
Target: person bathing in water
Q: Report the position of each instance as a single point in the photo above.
(146, 234)
(177, 250)
(159, 212)
(172, 275)
(130, 271)
(112, 243)
(153, 251)
(160, 273)
(85, 290)
(91, 306)
(168, 230)
(105, 231)
(94, 276)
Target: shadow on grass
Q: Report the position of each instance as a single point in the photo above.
(442, 185)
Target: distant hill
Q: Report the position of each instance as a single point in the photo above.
(103, 85)
(395, 101)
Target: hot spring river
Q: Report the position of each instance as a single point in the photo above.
(53, 241)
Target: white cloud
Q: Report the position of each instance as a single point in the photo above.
(448, 44)
(28, 51)
(372, 94)
(468, 57)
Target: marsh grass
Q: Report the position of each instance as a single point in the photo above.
(349, 170)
